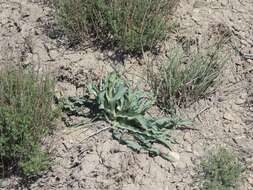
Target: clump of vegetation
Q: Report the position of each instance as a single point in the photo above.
(221, 170)
(26, 114)
(130, 25)
(125, 109)
(183, 79)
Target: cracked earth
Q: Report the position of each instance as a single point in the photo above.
(28, 36)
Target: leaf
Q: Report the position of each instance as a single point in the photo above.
(142, 121)
(120, 93)
(92, 89)
(133, 145)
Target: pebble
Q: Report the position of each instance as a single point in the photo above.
(175, 155)
(228, 116)
(187, 137)
(240, 101)
(188, 148)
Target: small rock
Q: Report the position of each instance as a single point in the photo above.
(228, 116)
(180, 186)
(244, 95)
(175, 155)
(187, 137)
(250, 167)
(188, 148)
(221, 99)
(240, 101)
(232, 80)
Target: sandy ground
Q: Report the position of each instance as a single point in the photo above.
(28, 36)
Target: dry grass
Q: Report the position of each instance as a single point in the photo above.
(129, 26)
(184, 78)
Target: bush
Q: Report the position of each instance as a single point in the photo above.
(130, 25)
(221, 171)
(25, 116)
(183, 79)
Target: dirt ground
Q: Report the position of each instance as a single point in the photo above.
(28, 35)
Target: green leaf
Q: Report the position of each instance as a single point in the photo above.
(167, 157)
(93, 89)
(121, 91)
(133, 145)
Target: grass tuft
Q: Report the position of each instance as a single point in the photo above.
(221, 170)
(130, 26)
(26, 114)
(183, 79)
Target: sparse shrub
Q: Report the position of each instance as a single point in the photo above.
(125, 109)
(130, 25)
(183, 78)
(221, 170)
(26, 114)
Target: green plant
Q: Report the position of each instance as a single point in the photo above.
(221, 170)
(183, 79)
(125, 109)
(26, 114)
(130, 25)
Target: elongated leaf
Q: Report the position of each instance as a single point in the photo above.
(133, 145)
(121, 91)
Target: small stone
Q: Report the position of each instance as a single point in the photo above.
(187, 137)
(175, 155)
(232, 80)
(228, 116)
(221, 99)
(240, 101)
(188, 148)
(180, 186)
(250, 167)
(244, 95)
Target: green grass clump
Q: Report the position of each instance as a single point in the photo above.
(126, 110)
(129, 25)
(221, 171)
(183, 79)
(26, 114)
